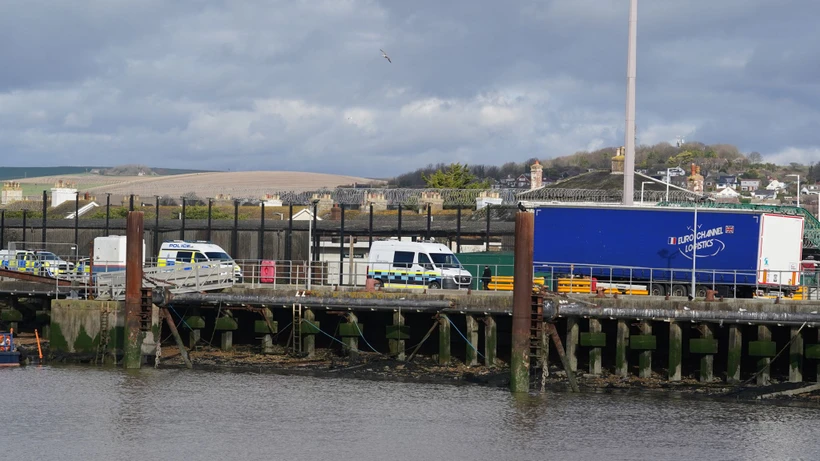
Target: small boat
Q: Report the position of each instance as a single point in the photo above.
(9, 355)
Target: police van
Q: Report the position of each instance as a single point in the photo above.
(37, 262)
(20, 261)
(53, 265)
(396, 264)
(177, 252)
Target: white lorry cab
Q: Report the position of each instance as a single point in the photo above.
(176, 252)
(397, 264)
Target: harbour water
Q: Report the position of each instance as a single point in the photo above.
(85, 413)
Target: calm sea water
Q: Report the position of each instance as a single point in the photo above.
(78, 413)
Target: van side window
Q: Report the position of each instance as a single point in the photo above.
(199, 257)
(184, 256)
(403, 258)
(424, 261)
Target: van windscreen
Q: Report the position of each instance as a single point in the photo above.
(218, 256)
(445, 260)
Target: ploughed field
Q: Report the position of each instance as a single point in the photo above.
(237, 184)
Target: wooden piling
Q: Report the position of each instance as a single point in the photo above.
(172, 326)
(351, 340)
(595, 352)
(645, 357)
(443, 340)
(226, 340)
(396, 344)
(675, 351)
(545, 350)
(308, 341)
(707, 360)
(133, 290)
(490, 341)
(796, 356)
(764, 362)
(193, 338)
(621, 344)
(573, 333)
(522, 300)
(471, 355)
(735, 354)
(270, 328)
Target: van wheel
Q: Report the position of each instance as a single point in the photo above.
(435, 285)
(377, 283)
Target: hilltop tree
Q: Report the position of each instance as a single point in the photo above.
(456, 176)
(755, 157)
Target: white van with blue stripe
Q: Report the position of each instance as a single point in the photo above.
(396, 264)
(185, 253)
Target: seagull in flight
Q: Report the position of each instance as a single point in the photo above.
(385, 56)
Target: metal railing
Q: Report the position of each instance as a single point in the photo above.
(182, 278)
(108, 280)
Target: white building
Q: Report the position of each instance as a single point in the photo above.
(62, 192)
(775, 185)
(727, 192)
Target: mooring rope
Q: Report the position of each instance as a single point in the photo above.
(464, 337)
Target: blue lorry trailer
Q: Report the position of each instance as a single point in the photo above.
(739, 252)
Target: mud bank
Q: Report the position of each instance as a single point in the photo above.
(426, 370)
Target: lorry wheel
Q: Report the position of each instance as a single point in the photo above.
(700, 291)
(658, 290)
(435, 285)
(679, 290)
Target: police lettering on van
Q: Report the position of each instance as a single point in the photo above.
(176, 252)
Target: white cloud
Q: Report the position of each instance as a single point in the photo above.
(794, 154)
(295, 85)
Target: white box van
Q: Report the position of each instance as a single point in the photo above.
(174, 252)
(396, 264)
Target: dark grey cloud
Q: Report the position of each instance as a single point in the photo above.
(302, 85)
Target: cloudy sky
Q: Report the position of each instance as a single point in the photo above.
(301, 84)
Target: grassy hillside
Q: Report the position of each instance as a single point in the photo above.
(7, 173)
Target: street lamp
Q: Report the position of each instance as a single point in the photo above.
(669, 172)
(310, 243)
(650, 182)
(798, 188)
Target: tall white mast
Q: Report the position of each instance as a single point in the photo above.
(631, 71)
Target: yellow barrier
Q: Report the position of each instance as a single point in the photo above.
(579, 285)
(584, 285)
(505, 282)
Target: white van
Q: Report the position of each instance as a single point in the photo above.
(396, 264)
(174, 252)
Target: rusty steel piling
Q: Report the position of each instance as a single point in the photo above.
(133, 289)
(522, 297)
